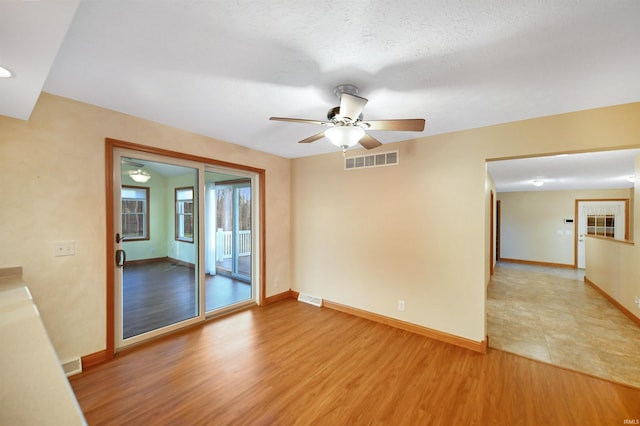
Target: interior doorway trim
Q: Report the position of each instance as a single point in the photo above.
(492, 256)
(110, 146)
(576, 225)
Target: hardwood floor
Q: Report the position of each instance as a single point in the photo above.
(244, 265)
(161, 293)
(292, 363)
(155, 295)
(224, 291)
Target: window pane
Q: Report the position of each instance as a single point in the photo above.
(134, 212)
(134, 193)
(184, 214)
(184, 194)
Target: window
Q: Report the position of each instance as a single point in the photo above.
(601, 224)
(135, 213)
(184, 214)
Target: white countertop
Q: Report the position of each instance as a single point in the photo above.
(33, 387)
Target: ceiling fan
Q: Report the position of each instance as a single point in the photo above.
(345, 123)
(138, 175)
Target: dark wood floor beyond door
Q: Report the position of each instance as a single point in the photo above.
(160, 293)
(155, 295)
(291, 362)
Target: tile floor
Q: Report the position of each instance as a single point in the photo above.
(551, 315)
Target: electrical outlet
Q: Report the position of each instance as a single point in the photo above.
(401, 305)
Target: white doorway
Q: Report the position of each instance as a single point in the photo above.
(603, 218)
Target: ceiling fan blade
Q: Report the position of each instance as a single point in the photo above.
(369, 142)
(409, 124)
(299, 120)
(313, 138)
(351, 106)
(132, 163)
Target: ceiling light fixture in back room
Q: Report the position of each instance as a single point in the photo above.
(139, 176)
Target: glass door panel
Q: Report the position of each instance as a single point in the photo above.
(228, 240)
(157, 279)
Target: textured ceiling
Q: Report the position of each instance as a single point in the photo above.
(589, 170)
(222, 68)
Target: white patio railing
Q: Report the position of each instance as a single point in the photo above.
(224, 244)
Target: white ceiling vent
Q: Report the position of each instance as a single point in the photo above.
(390, 158)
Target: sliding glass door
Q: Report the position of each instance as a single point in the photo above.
(229, 239)
(184, 242)
(157, 267)
(234, 229)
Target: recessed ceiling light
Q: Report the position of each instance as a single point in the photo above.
(5, 73)
(537, 182)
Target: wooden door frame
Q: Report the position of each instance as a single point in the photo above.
(498, 230)
(110, 146)
(492, 258)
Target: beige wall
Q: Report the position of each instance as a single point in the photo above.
(417, 231)
(532, 223)
(52, 170)
(613, 266)
(364, 238)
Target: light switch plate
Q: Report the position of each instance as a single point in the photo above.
(64, 248)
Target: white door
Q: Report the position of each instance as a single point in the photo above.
(582, 231)
(599, 210)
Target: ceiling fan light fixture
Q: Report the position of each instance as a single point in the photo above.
(344, 136)
(5, 73)
(346, 125)
(139, 176)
